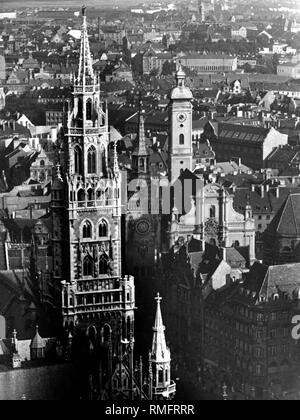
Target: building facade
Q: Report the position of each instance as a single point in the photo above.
(97, 301)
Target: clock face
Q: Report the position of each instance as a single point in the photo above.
(143, 227)
(181, 117)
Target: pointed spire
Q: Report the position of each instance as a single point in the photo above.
(160, 352)
(142, 150)
(85, 72)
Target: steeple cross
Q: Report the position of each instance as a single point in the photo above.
(158, 298)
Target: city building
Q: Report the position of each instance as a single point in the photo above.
(209, 63)
(281, 238)
(180, 129)
(291, 70)
(98, 302)
(252, 144)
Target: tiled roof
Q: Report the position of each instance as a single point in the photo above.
(268, 203)
(242, 132)
(287, 220)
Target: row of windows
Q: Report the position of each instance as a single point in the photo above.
(91, 160)
(89, 267)
(211, 68)
(87, 229)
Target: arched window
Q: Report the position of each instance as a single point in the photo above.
(128, 328)
(181, 139)
(87, 230)
(42, 163)
(88, 267)
(42, 176)
(81, 196)
(103, 264)
(92, 160)
(80, 108)
(91, 194)
(106, 333)
(89, 109)
(103, 229)
(212, 212)
(78, 160)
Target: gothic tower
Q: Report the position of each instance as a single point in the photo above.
(180, 135)
(97, 302)
(160, 361)
(141, 155)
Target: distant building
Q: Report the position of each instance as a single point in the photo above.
(252, 144)
(2, 68)
(282, 237)
(55, 115)
(2, 99)
(8, 15)
(238, 32)
(209, 64)
(291, 70)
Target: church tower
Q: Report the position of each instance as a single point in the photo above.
(160, 360)
(180, 133)
(141, 155)
(97, 301)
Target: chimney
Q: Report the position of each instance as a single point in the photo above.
(262, 191)
(267, 188)
(253, 188)
(277, 192)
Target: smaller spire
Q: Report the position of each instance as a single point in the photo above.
(86, 71)
(160, 352)
(142, 150)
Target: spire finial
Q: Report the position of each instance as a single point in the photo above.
(58, 172)
(86, 71)
(158, 299)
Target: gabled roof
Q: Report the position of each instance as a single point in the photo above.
(263, 282)
(287, 220)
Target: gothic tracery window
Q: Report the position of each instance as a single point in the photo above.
(78, 160)
(87, 230)
(81, 195)
(103, 229)
(103, 264)
(88, 266)
(89, 109)
(92, 160)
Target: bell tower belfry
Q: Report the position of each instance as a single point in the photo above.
(180, 132)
